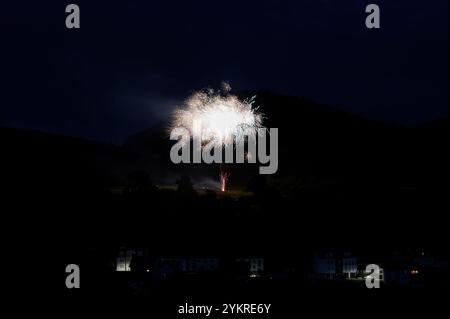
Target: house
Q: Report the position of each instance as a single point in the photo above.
(335, 265)
(325, 265)
(349, 265)
(166, 267)
(125, 257)
(195, 265)
(161, 268)
(253, 266)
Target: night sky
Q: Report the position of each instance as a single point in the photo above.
(131, 63)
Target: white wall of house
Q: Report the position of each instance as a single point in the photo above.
(349, 266)
(123, 260)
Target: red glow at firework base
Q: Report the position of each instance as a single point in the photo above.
(223, 178)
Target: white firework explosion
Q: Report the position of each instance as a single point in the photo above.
(224, 119)
(223, 116)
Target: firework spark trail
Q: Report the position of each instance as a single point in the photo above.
(223, 176)
(225, 119)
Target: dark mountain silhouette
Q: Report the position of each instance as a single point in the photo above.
(38, 157)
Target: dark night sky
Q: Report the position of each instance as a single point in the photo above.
(130, 63)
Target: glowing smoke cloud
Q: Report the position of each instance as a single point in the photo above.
(223, 116)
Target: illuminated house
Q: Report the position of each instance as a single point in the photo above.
(335, 264)
(254, 266)
(161, 268)
(125, 257)
(349, 265)
(200, 264)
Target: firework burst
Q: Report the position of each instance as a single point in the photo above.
(225, 119)
(223, 116)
